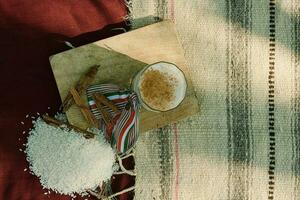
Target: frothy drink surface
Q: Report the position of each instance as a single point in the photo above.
(157, 89)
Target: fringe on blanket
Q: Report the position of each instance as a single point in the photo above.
(143, 13)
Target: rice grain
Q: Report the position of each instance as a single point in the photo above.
(65, 161)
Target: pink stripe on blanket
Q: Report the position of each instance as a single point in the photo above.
(177, 163)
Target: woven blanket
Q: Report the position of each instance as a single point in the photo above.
(244, 59)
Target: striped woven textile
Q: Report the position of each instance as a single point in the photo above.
(244, 59)
(122, 130)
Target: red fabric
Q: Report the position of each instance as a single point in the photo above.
(31, 31)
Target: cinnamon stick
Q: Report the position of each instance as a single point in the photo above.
(83, 108)
(82, 84)
(104, 113)
(105, 101)
(54, 122)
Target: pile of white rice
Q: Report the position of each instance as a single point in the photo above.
(65, 161)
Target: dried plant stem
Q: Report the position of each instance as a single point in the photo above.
(95, 194)
(103, 187)
(57, 123)
(100, 196)
(82, 84)
(121, 192)
(129, 172)
(126, 156)
(118, 173)
(101, 193)
(83, 108)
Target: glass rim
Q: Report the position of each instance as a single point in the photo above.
(140, 96)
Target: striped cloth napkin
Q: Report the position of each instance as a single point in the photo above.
(122, 130)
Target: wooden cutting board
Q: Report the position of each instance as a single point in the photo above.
(121, 57)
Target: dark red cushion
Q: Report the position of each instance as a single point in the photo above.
(31, 31)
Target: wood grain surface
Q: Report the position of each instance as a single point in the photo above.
(121, 57)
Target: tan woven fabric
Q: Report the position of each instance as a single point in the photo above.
(244, 58)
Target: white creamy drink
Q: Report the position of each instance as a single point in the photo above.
(161, 86)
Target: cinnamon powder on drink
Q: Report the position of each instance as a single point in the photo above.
(157, 89)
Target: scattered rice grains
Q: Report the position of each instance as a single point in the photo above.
(65, 161)
(157, 89)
